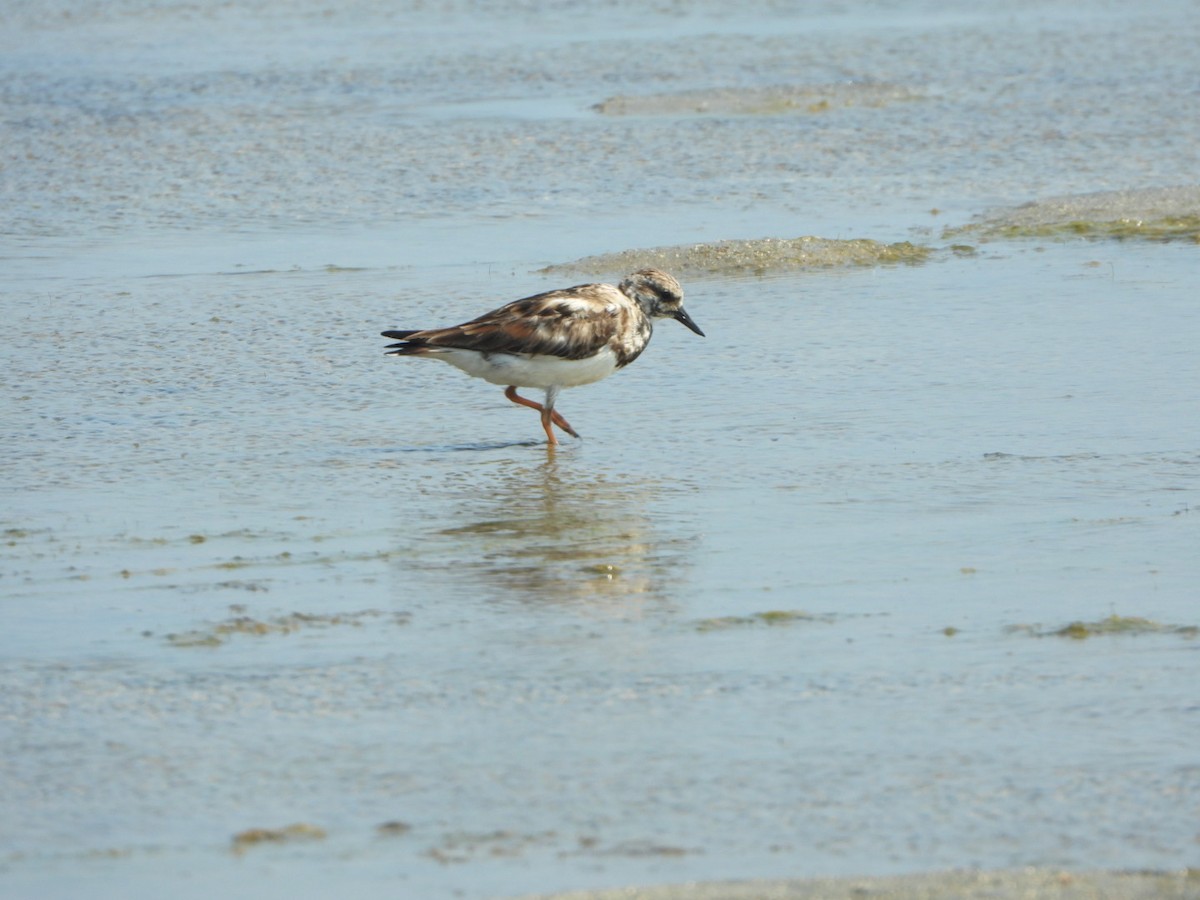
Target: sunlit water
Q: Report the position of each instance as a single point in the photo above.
(551, 665)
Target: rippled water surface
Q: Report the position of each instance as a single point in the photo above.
(787, 609)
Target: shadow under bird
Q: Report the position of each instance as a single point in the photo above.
(555, 340)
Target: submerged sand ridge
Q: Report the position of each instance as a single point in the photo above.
(762, 101)
(747, 257)
(1027, 884)
(1152, 214)
(1155, 214)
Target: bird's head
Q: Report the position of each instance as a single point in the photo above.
(659, 295)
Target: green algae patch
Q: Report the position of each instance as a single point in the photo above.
(465, 847)
(643, 848)
(778, 100)
(393, 828)
(1121, 625)
(299, 831)
(1110, 625)
(748, 257)
(109, 853)
(282, 558)
(1180, 228)
(221, 632)
(1159, 214)
(770, 617)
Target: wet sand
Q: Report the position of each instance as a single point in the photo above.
(1018, 884)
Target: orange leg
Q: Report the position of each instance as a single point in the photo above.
(548, 414)
(551, 440)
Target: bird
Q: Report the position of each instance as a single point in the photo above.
(554, 340)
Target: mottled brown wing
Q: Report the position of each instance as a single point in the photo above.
(571, 324)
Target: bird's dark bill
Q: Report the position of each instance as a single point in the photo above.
(682, 316)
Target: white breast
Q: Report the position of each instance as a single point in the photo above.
(524, 370)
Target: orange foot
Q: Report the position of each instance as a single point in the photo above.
(548, 414)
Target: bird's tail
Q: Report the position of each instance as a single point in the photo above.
(405, 347)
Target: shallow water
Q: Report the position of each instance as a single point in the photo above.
(552, 665)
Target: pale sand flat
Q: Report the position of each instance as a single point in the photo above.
(1015, 884)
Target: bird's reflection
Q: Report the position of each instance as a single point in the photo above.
(561, 531)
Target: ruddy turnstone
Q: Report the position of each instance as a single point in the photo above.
(555, 340)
